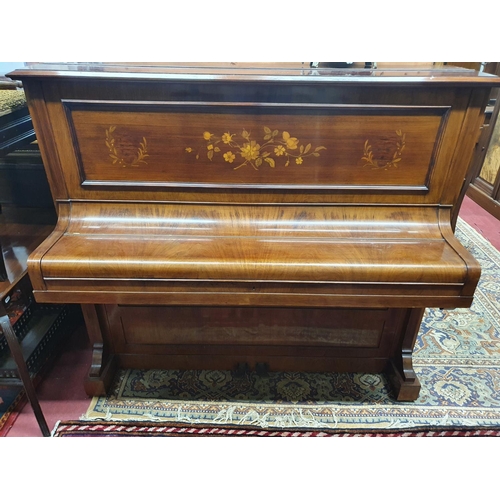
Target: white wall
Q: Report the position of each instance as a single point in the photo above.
(6, 67)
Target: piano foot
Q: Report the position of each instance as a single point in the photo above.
(405, 384)
(101, 373)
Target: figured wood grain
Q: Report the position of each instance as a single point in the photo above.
(270, 250)
(43, 128)
(252, 326)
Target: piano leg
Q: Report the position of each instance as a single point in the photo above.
(406, 385)
(103, 367)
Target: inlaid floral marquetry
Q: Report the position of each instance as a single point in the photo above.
(393, 162)
(142, 151)
(326, 150)
(271, 150)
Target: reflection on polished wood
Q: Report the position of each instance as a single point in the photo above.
(213, 216)
(21, 231)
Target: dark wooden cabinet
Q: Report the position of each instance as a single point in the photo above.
(484, 186)
(300, 218)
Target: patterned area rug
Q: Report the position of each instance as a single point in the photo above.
(456, 357)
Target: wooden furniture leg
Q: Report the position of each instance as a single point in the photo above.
(405, 383)
(103, 365)
(3, 270)
(16, 352)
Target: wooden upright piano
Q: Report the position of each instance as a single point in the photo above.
(299, 219)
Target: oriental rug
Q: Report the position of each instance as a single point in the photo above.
(456, 357)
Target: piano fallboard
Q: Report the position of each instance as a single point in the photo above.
(253, 255)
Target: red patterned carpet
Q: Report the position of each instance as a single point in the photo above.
(140, 429)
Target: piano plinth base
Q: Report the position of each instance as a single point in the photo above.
(404, 389)
(285, 339)
(101, 374)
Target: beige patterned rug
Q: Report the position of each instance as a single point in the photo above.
(456, 357)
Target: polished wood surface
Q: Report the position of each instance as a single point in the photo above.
(297, 218)
(21, 231)
(306, 146)
(410, 75)
(256, 255)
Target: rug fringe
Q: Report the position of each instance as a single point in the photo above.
(55, 428)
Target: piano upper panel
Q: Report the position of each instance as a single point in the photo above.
(216, 136)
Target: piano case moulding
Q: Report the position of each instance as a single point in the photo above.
(212, 216)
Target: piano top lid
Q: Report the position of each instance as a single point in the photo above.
(255, 72)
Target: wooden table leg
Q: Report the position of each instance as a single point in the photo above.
(16, 352)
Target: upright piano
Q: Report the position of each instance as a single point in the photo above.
(289, 218)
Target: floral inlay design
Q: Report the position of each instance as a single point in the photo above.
(268, 151)
(142, 151)
(396, 157)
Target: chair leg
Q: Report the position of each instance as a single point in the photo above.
(16, 352)
(3, 269)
